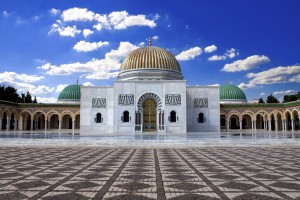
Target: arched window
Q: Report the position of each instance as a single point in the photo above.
(125, 116)
(99, 118)
(173, 116)
(201, 118)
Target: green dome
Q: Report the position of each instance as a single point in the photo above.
(230, 92)
(70, 93)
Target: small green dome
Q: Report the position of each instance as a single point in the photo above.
(231, 92)
(70, 93)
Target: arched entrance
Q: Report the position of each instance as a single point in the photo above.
(149, 115)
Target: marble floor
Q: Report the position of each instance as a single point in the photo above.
(113, 173)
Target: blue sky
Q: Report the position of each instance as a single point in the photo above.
(46, 45)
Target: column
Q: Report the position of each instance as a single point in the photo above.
(59, 124)
(276, 125)
(252, 124)
(292, 120)
(269, 125)
(0, 123)
(227, 125)
(241, 123)
(46, 122)
(7, 124)
(73, 125)
(282, 124)
(15, 124)
(31, 124)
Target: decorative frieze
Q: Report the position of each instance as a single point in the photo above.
(126, 99)
(200, 103)
(98, 103)
(173, 99)
(149, 95)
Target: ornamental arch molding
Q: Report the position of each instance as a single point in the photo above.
(151, 96)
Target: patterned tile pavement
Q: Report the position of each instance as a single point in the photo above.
(95, 173)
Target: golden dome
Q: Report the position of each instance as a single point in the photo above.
(150, 61)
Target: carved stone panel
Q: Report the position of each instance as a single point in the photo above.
(126, 99)
(98, 103)
(200, 103)
(173, 99)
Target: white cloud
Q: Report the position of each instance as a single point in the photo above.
(217, 58)
(96, 68)
(262, 94)
(46, 99)
(216, 84)
(12, 77)
(156, 37)
(64, 31)
(249, 63)
(5, 13)
(284, 92)
(88, 84)
(60, 87)
(231, 53)
(54, 11)
(77, 14)
(83, 46)
(189, 54)
(87, 32)
(210, 48)
(114, 20)
(273, 75)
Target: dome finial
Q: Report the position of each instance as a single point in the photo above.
(77, 81)
(150, 41)
(227, 82)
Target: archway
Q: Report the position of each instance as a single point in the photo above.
(259, 122)
(288, 121)
(296, 120)
(77, 121)
(39, 120)
(54, 122)
(234, 122)
(66, 122)
(279, 121)
(246, 122)
(149, 115)
(4, 121)
(273, 122)
(25, 120)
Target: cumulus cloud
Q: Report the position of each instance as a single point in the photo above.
(284, 92)
(46, 99)
(68, 31)
(54, 11)
(274, 75)
(83, 46)
(96, 68)
(210, 49)
(12, 77)
(249, 63)
(231, 53)
(87, 32)
(88, 84)
(262, 94)
(156, 37)
(189, 54)
(216, 84)
(114, 20)
(60, 87)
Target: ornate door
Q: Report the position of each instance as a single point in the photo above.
(149, 115)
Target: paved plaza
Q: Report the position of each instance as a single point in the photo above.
(202, 173)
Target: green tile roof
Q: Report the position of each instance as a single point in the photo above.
(71, 92)
(231, 92)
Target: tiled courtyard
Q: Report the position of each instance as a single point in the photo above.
(95, 173)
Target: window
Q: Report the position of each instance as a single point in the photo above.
(173, 116)
(125, 117)
(201, 118)
(99, 118)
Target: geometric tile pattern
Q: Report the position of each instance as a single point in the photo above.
(203, 173)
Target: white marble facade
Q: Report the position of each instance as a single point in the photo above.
(169, 95)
